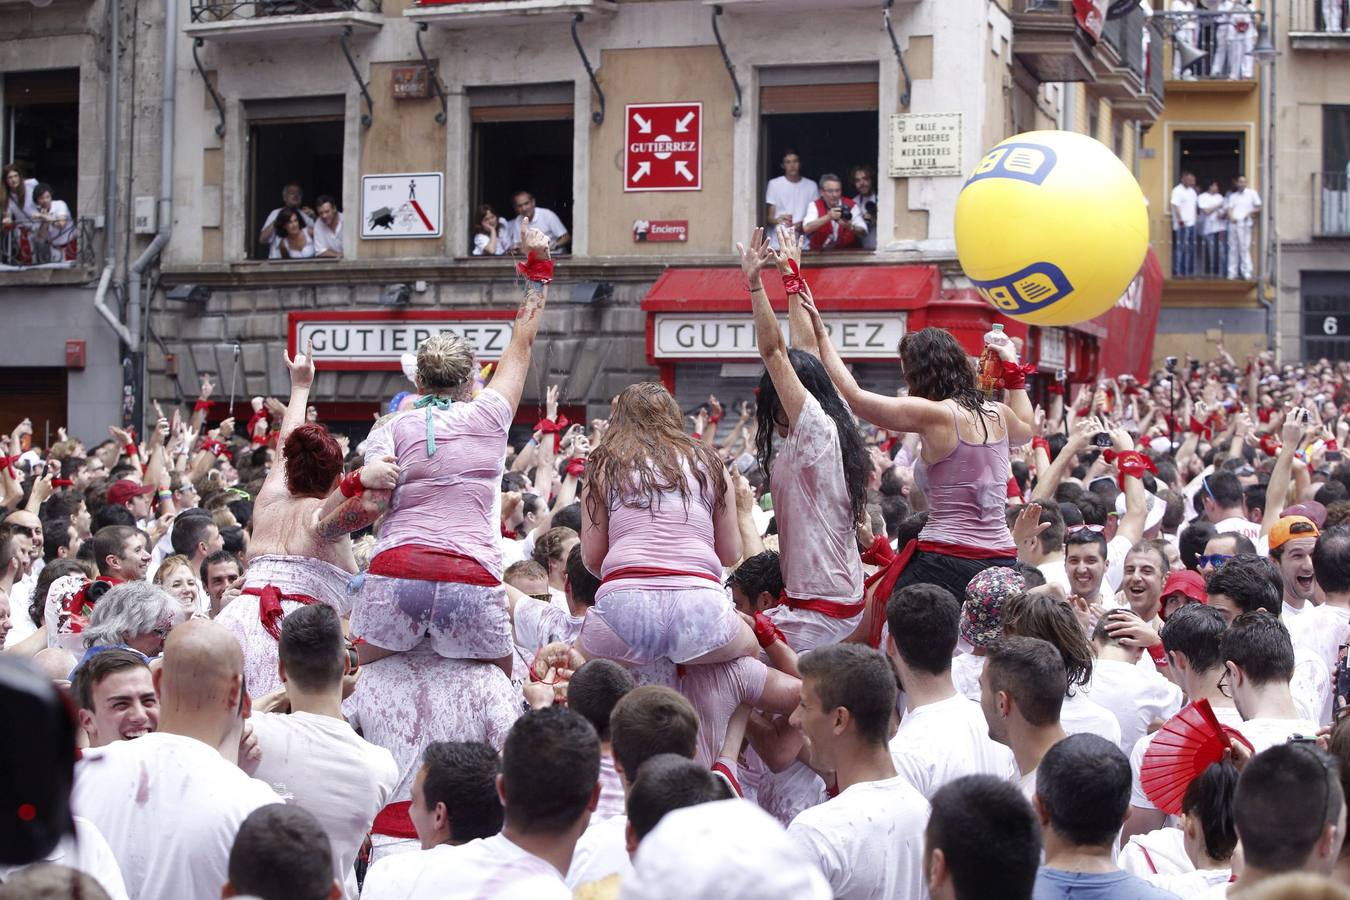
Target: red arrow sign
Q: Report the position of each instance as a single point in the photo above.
(663, 147)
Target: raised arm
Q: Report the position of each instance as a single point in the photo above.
(360, 499)
(302, 378)
(772, 348)
(902, 414)
(800, 333)
(1277, 491)
(1048, 480)
(508, 379)
(1136, 501)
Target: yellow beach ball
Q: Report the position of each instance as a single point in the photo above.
(1051, 227)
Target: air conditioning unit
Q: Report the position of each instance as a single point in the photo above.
(144, 209)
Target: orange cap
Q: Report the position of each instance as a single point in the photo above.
(1291, 527)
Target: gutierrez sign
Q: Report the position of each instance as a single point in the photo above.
(855, 335)
(376, 340)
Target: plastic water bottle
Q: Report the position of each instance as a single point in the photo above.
(990, 375)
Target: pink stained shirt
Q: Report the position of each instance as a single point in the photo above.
(671, 533)
(452, 500)
(817, 546)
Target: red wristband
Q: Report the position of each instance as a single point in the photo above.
(130, 450)
(766, 632)
(536, 270)
(351, 485)
(548, 426)
(202, 406)
(1015, 376)
(793, 282)
(1158, 654)
(1130, 464)
(1040, 443)
(714, 419)
(576, 466)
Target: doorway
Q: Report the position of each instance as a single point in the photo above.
(306, 152)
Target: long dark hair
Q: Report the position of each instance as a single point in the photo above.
(21, 196)
(1052, 620)
(645, 452)
(279, 226)
(936, 368)
(811, 372)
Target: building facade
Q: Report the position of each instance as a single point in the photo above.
(649, 127)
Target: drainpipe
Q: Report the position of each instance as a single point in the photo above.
(165, 211)
(1270, 274)
(110, 175)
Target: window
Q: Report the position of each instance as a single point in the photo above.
(291, 142)
(1335, 197)
(828, 115)
(42, 129)
(1210, 157)
(1326, 315)
(522, 141)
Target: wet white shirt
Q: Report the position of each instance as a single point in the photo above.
(602, 851)
(486, 868)
(1136, 697)
(940, 742)
(88, 852)
(1079, 715)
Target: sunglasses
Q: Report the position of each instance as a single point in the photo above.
(1212, 559)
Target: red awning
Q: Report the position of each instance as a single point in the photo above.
(836, 288)
(1126, 331)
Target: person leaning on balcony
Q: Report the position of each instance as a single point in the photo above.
(294, 240)
(327, 229)
(1184, 205)
(1187, 31)
(492, 236)
(1240, 206)
(53, 227)
(292, 198)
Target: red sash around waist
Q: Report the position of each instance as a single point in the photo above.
(270, 612)
(831, 608)
(420, 563)
(655, 572)
(394, 821)
(885, 578)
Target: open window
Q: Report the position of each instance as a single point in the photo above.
(1335, 181)
(291, 142)
(522, 141)
(829, 116)
(42, 137)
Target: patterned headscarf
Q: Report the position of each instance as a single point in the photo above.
(982, 613)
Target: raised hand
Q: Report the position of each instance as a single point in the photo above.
(551, 403)
(758, 256)
(302, 367)
(1295, 426)
(714, 407)
(206, 388)
(532, 240)
(789, 248)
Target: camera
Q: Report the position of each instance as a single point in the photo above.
(871, 207)
(845, 214)
(1102, 439)
(1171, 363)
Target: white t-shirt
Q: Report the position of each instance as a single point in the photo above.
(1238, 525)
(321, 764)
(791, 197)
(485, 868)
(1055, 573)
(868, 840)
(326, 238)
(1241, 205)
(1210, 205)
(1079, 715)
(1265, 733)
(392, 877)
(1134, 696)
(1183, 206)
(1227, 715)
(602, 851)
(88, 852)
(546, 220)
(966, 669)
(940, 742)
(170, 807)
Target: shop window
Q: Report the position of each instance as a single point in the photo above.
(42, 136)
(291, 142)
(522, 142)
(828, 115)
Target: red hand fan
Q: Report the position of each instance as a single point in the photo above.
(1189, 743)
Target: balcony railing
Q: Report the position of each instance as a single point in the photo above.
(1193, 255)
(19, 248)
(1224, 44)
(1050, 42)
(1332, 190)
(220, 10)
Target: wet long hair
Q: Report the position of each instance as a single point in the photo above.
(1053, 620)
(646, 452)
(936, 368)
(811, 373)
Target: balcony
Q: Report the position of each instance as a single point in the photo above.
(1049, 41)
(1204, 270)
(468, 13)
(281, 20)
(1210, 52)
(1128, 56)
(1313, 26)
(18, 251)
(1331, 191)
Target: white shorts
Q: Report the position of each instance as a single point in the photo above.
(461, 621)
(641, 625)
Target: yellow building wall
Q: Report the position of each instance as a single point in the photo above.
(408, 141)
(1080, 108)
(661, 75)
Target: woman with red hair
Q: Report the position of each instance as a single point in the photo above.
(301, 552)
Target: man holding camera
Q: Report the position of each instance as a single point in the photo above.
(866, 202)
(833, 222)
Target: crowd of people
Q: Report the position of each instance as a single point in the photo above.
(853, 645)
(35, 228)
